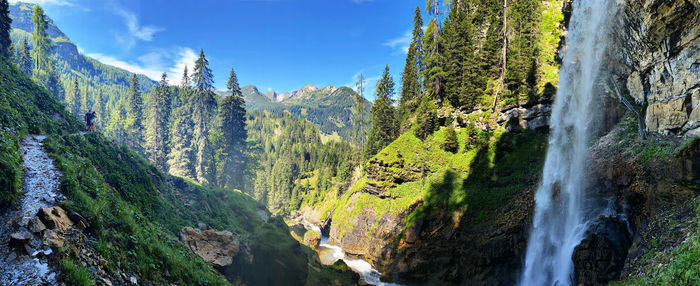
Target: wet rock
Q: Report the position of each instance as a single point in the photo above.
(21, 238)
(55, 218)
(312, 238)
(600, 257)
(36, 226)
(215, 247)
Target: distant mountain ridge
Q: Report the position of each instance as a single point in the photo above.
(330, 108)
(69, 61)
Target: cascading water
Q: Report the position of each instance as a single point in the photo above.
(562, 211)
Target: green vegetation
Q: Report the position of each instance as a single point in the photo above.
(10, 168)
(385, 127)
(488, 169)
(295, 167)
(676, 266)
(75, 274)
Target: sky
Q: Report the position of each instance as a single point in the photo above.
(276, 45)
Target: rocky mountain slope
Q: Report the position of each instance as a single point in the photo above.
(329, 108)
(116, 219)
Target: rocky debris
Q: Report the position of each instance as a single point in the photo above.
(658, 44)
(312, 238)
(36, 226)
(216, 247)
(20, 238)
(601, 255)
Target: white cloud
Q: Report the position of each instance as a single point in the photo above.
(135, 30)
(153, 64)
(47, 2)
(401, 43)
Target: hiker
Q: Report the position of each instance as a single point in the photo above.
(90, 120)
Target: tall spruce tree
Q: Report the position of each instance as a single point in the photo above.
(203, 108)
(73, 99)
(359, 115)
(42, 41)
(411, 77)
(25, 58)
(233, 136)
(384, 126)
(134, 117)
(99, 108)
(156, 133)
(185, 79)
(5, 27)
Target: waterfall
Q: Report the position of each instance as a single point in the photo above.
(562, 210)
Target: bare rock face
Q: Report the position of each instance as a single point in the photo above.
(601, 255)
(659, 43)
(215, 247)
(55, 218)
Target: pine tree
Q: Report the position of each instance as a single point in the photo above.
(53, 81)
(156, 133)
(203, 107)
(202, 77)
(115, 129)
(181, 158)
(384, 126)
(233, 132)
(25, 58)
(359, 115)
(450, 144)
(73, 99)
(185, 79)
(42, 41)
(99, 108)
(5, 27)
(85, 105)
(134, 117)
(427, 121)
(411, 77)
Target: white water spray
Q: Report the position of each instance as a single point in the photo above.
(562, 213)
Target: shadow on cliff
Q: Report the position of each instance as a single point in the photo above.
(472, 229)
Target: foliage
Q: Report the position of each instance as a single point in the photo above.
(384, 124)
(5, 27)
(75, 274)
(450, 144)
(232, 145)
(10, 168)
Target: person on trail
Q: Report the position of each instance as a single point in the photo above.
(90, 120)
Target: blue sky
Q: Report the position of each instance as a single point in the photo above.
(278, 45)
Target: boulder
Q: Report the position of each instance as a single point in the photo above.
(55, 218)
(215, 247)
(54, 238)
(20, 237)
(312, 238)
(600, 257)
(36, 226)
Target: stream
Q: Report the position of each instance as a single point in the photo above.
(40, 185)
(329, 254)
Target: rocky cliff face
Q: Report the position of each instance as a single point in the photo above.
(659, 45)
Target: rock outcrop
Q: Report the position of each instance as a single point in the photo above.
(659, 44)
(216, 247)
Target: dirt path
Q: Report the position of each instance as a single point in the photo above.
(41, 182)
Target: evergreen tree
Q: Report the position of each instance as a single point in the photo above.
(25, 58)
(116, 129)
(202, 77)
(359, 115)
(203, 108)
(99, 108)
(134, 117)
(156, 133)
(427, 121)
(53, 81)
(181, 158)
(450, 144)
(42, 41)
(234, 134)
(411, 78)
(73, 99)
(5, 28)
(384, 126)
(185, 79)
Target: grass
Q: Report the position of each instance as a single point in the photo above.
(75, 274)
(506, 162)
(677, 266)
